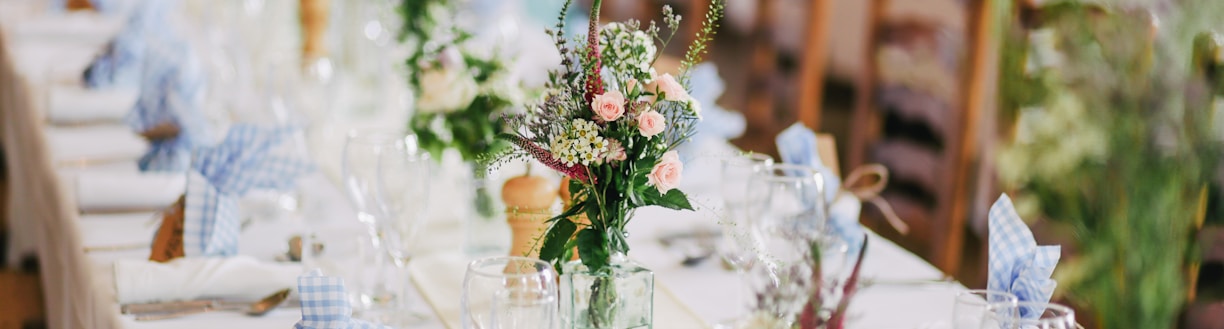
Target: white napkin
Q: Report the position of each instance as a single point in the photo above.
(77, 27)
(111, 192)
(241, 277)
(94, 144)
(439, 278)
(75, 104)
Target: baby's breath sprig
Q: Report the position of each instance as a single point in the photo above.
(673, 24)
(703, 37)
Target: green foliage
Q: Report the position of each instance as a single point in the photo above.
(1114, 139)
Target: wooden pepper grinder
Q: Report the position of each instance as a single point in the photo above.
(528, 199)
(313, 15)
(579, 220)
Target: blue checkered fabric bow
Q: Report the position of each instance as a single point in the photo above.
(325, 304)
(249, 157)
(121, 63)
(1017, 264)
(797, 145)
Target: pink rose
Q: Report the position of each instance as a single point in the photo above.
(609, 106)
(651, 123)
(670, 88)
(666, 174)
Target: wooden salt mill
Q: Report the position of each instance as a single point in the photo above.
(528, 199)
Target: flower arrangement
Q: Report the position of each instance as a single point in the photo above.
(612, 125)
(460, 95)
(1113, 139)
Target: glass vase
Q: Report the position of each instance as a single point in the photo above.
(621, 296)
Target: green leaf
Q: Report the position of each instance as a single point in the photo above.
(555, 240)
(591, 249)
(674, 199)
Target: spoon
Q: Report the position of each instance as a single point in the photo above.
(261, 307)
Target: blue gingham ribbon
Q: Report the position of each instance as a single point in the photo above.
(249, 157)
(325, 304)
(797, 145)
(1017, 264)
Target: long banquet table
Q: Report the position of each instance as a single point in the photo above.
(45, 221)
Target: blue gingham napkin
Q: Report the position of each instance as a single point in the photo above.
(121, 63)
(172, 91)
(1017, 264)
(249, 157)
(797, 145)
(325, 304)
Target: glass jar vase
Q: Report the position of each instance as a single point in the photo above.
(620, 296)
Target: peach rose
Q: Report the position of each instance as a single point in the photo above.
(609, 106)
(666, 174)
(651, 123)
(670, 88)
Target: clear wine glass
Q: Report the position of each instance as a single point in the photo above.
(736, 172)
(970, 308)
(402, 199)
(1017, 316)
(788, 227)
(363, 151)
(735, 249)
(511, 293)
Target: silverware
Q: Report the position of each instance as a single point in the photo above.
(868, 282)
(261, 307)
(163, 307)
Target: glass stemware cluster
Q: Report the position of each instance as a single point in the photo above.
(775, 236)
(387, 178)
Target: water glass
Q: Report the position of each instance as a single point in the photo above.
(509, 292)
(1029, 315)
(970, 307)
(736, 172)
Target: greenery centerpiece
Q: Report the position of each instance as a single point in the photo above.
(461, 93)
(611, 125)
(1114, 138)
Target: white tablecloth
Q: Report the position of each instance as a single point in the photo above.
(80, 291)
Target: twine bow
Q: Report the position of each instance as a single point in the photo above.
(865, 183)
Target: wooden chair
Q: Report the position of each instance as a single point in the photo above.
(762, 108)
(925, 133)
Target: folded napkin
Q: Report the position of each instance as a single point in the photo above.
(325, 304)
(93, 144)
(797, 145)
(249, 157)
(172, 93)
(113, 192)
(69, 105)
(241, 277)
(1017, 264)
(121, 63)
